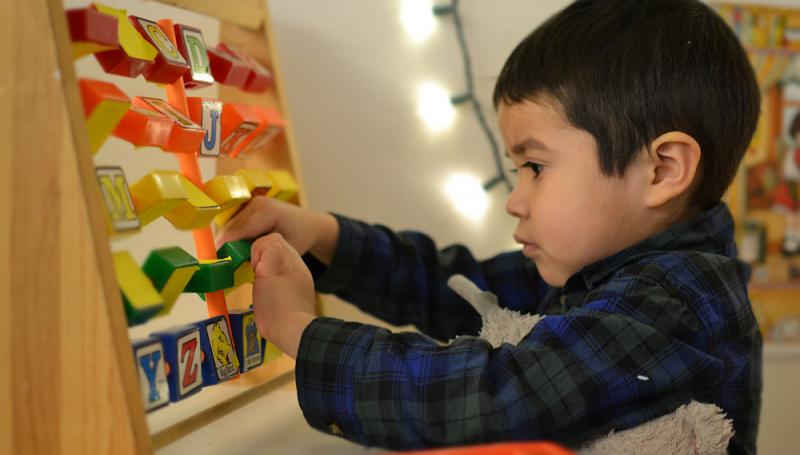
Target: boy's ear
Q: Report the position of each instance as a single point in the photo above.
(674, 160)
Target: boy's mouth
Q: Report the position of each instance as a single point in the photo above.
(529, 249)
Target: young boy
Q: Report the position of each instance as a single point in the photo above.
(626, 121)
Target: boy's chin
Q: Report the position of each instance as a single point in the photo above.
(554, 278)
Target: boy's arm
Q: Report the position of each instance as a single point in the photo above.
(402, 278)
(574, 377)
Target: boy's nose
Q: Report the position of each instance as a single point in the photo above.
(516, 204)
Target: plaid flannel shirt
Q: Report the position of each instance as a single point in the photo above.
(627, 339)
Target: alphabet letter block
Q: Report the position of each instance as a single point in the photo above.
(229, 192)
(239, 123)
(284, 187)
(135, 54)
(91, 31)
(156, 194)
(213, 275)
(220, 362)
(259, 79)
(272, 124)
(104, 105)
(169, 64)
(208, 114)
(239, 253)
(149, 356)
(196, 211)
(185, 136)
(144, 128)
(120, 212)
(193, 48)
(170, 270)
(140, 298)
(182, 352)
(227, 69)
(247, 339)
(257, 181)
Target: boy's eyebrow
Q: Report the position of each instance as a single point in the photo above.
(528, 143)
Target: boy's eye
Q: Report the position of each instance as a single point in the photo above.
(535, 167)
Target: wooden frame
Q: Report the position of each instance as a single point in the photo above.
(69, 385)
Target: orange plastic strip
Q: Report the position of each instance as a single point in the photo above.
(203, 238)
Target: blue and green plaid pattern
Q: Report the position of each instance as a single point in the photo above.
(626, 340)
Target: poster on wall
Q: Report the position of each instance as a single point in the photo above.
(765, 198)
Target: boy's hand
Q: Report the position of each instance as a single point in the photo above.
(283, 293)
(304, 229)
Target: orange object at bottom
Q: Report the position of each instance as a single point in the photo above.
(507, 448)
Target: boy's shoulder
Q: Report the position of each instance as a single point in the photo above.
(678, 291)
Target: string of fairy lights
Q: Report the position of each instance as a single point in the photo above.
(436, 105)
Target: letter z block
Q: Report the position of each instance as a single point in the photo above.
(220, 362)
(134, 56)
(157, 194)
(140, 298)
(170, 270)
(182, 352)
(247, 339)
(149, 357)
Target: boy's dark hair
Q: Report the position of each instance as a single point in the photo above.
(794, 127)
(628, 71)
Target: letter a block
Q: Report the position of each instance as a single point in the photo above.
(104, 105)
(247, 339)
(193, 48)
(91, 31)
(182, 352)
(170, 270)
(149, 357)
(135, 54)
(208, 114)
(169, 64)
(219, 362)
(229, 192)
(156, 194)
(140, 298)
(120, 212)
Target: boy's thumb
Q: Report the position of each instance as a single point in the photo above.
(268, 254)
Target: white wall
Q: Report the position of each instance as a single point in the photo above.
(351, 76)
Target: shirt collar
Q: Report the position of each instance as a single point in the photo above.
(708, 232)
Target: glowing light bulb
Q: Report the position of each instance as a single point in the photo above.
(434, 106)
(466, 193)
(417, 18)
